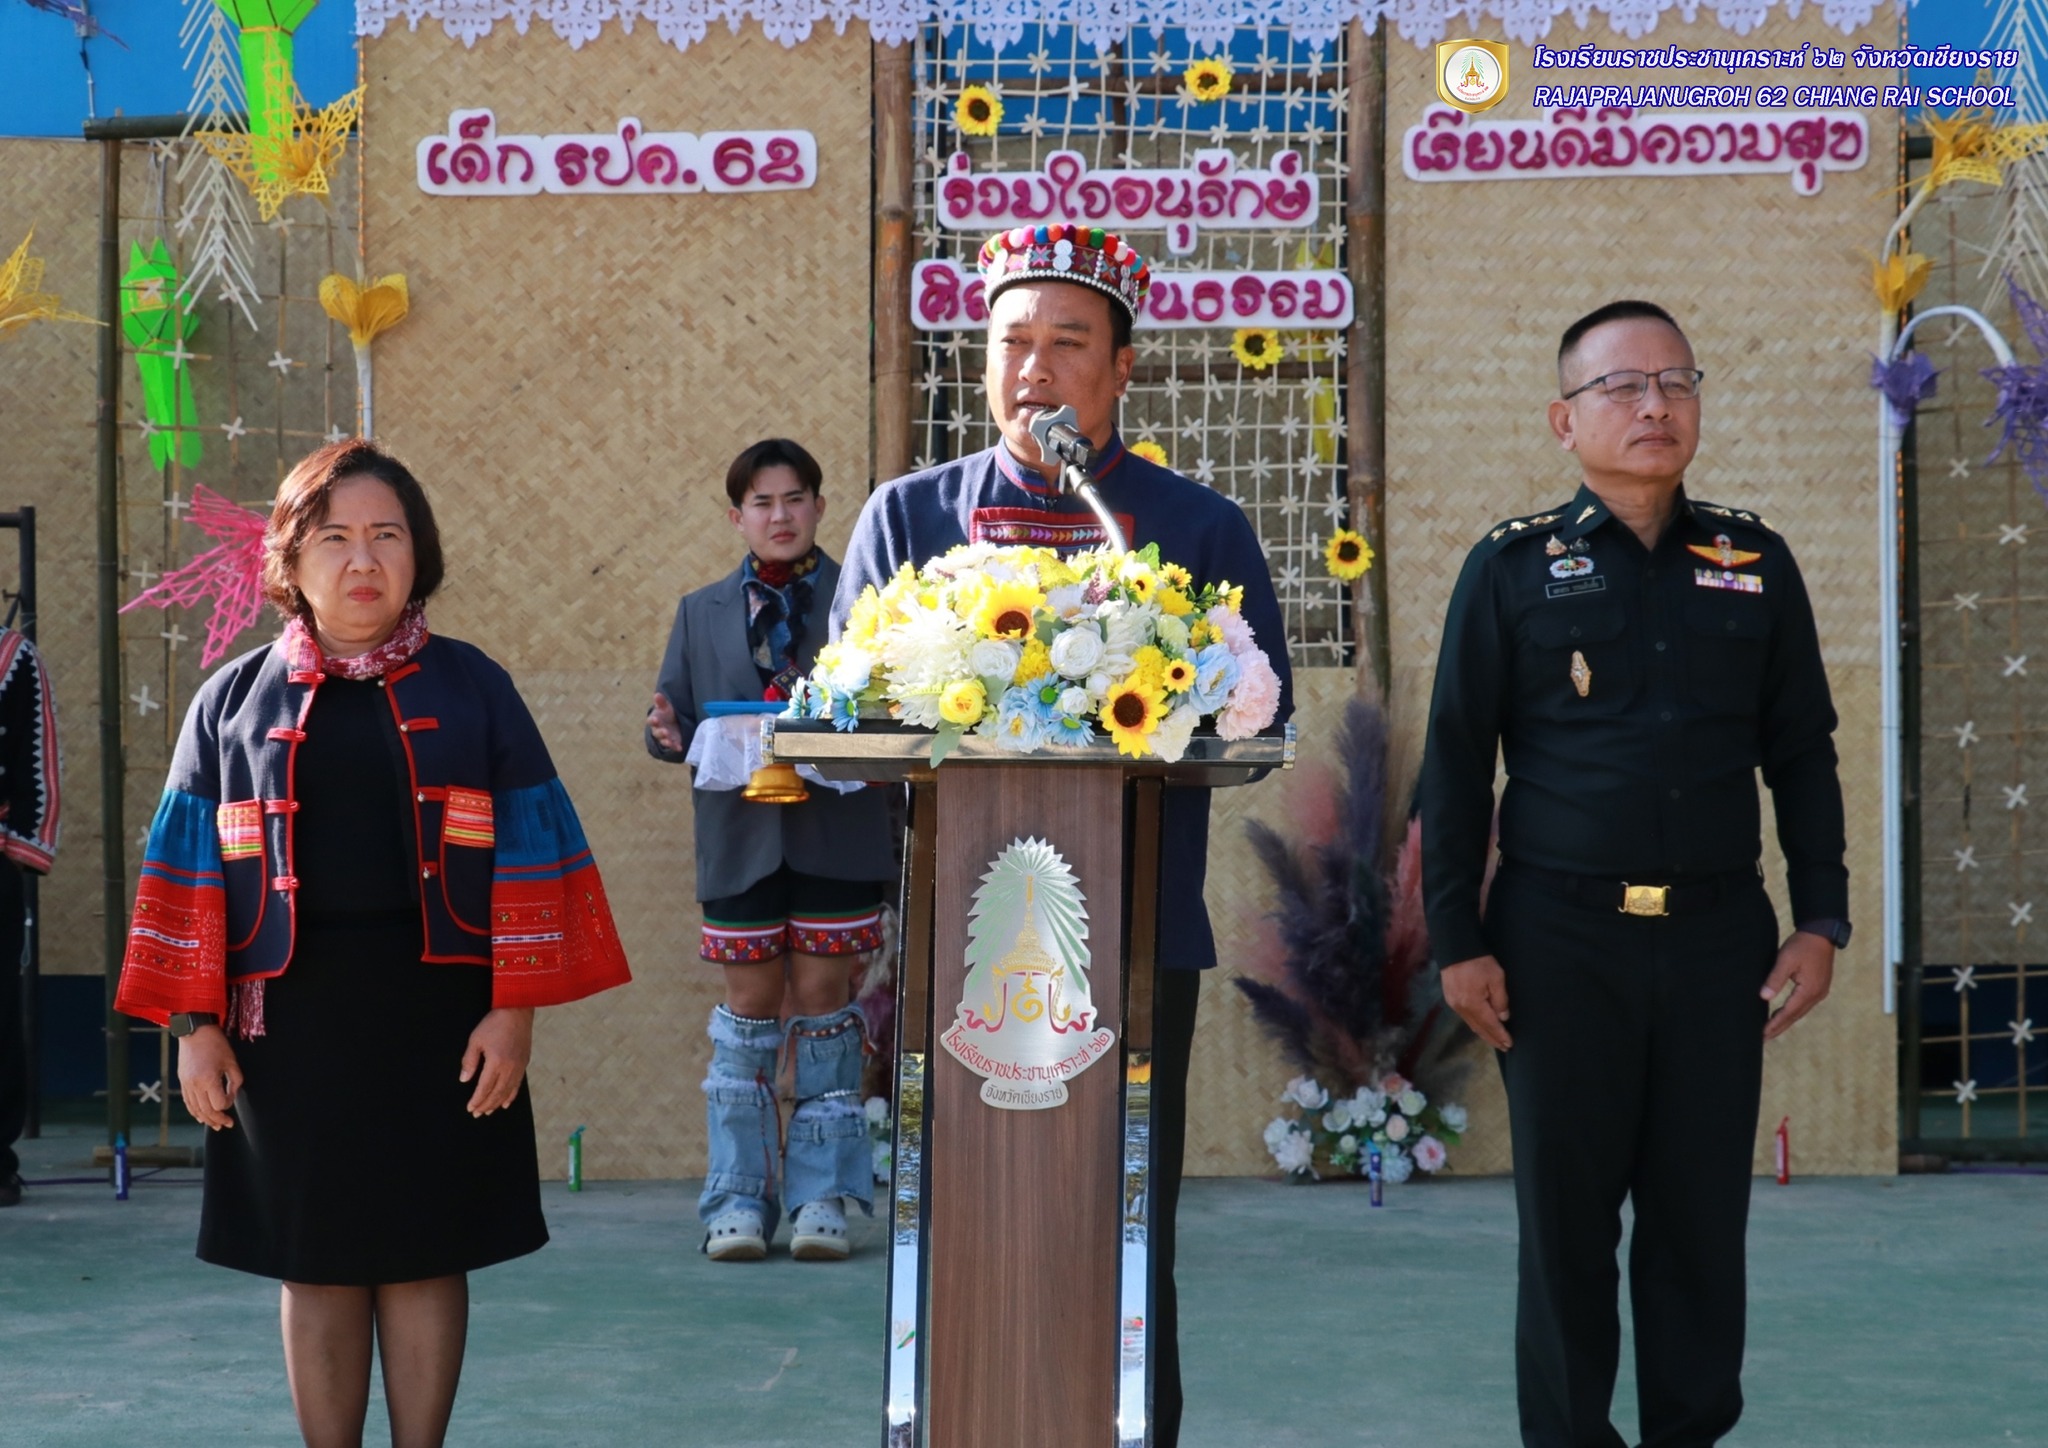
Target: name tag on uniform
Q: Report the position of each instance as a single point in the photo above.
(1727, 578)
(1595, 584)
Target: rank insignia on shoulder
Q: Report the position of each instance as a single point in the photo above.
(1584, 514)
(1729, 579)
(1724, 552)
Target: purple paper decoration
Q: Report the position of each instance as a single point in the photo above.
(1905, 383)
(2023, 396)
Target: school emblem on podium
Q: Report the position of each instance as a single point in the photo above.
(1472, 74)
(1027, 1021)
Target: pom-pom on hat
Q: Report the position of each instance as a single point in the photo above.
(1066, 253)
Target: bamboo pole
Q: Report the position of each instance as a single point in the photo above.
(113, 861)
(895, 344)
(1365, 357)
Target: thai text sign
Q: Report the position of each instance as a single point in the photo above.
(472, 159)
(1617, 141)
(947, 297)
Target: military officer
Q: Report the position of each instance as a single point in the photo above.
(1636, 655)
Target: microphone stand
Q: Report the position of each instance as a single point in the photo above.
(1075, 453)
(1078, 483)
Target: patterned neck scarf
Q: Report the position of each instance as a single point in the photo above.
(303, 653)
(778, 606)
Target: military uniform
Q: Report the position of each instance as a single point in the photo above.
(1633, 693)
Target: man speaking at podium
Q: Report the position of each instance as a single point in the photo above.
(1061, 304)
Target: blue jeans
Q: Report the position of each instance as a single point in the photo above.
(827, 1154)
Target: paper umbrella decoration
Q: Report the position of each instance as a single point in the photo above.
(157, 326)
(230, 573)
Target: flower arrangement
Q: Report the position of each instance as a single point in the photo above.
(1348, 990)
(1337, 1134)
(979, 111)
(881, 1138)
(1257, 347)
(1039, 652)
(1208, 79)
(1347, 555)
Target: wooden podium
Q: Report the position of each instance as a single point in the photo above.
(1019, 1298)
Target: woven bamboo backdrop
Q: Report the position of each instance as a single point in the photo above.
(575, 376)
(1773, 289)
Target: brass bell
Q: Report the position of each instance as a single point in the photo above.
(775, 784)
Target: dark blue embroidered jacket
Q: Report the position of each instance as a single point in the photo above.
(506, 877)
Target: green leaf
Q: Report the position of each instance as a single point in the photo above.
(945, 741)
(1150, 553)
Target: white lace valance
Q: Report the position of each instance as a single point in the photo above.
(1001, 23)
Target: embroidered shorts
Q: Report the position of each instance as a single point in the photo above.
(791, 911)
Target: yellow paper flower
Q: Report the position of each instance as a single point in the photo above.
(365, 311)
(963, 702)
(22, 299)
(1177, 676)
(1347, 555)
(1899, 278)
(294, 164)
(1008, 610)
(1969, 147)
(1173, 601)
(1151, 452)
(864, 620)
(978, 111)
(1201, 634)
(1035, 664)
(1208, 80)
(1130, 714)
(1150, 668)
(1257, 347)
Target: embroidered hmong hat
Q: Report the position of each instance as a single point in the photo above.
(1066, 253)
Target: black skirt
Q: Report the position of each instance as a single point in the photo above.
(352, 1161)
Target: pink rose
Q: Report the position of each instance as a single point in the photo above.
(1232, 629)
(1393, 1084)
(1429, 1154)
(1254, 702)
(1397, 1128)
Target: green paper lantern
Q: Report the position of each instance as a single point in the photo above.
(267, 27)
(157, 326)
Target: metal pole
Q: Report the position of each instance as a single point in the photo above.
(113, 861)
(1365, 358)
(24, 522)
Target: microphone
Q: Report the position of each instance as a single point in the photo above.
(1059, 438)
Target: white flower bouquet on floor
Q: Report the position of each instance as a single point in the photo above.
(1335, 1134)
(1042, 653)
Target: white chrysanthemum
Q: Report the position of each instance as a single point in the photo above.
(1454, 1116)
(919, 710)
(1306, 1092)
(1295, 1153)
(926, 653)
(1277, 1131)
(1065, 601)
(1170, 740)
(851, 669)
(1395, 1167)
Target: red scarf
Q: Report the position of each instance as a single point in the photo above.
(302, 651)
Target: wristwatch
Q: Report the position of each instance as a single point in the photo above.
(1835, 932)
(184, 1023)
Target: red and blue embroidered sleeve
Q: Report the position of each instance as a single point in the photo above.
(552, 935)
(177, 941)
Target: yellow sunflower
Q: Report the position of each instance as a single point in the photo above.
(1151, 452)
(1136, 576)
(1347, 555)
(1208, 80)
(1257, 347)
(963, 701)
(1008, 610)
(978, 111)
(1178, 576)
(1177, 676)
(1131, 713)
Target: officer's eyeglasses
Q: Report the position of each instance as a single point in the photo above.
(1679, 384)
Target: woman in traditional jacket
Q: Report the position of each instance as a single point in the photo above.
(362, 879)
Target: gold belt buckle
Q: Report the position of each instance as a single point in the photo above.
(1645, 899)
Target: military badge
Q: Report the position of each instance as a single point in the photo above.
(1570, 567)
(1582, 674)
(1724, 552)
(1728, 579)
(1555, 547)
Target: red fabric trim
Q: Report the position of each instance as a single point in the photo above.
(1039, 528)
(177, 952)
(553, 941)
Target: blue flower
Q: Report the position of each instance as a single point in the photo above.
(843, 710)
(1216, 674)
(1068, 732)
(1019, 723)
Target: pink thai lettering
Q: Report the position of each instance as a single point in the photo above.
(784, 166)
(938, 299)
(733, 161)
(572, 163)
(1282, 298)
(1208, 303)
(1166, 302)
(1484, 151)
(506, 151)
(1247, 296)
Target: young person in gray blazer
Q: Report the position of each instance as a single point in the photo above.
(791, 893)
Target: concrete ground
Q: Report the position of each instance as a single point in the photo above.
(1885, 1313)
